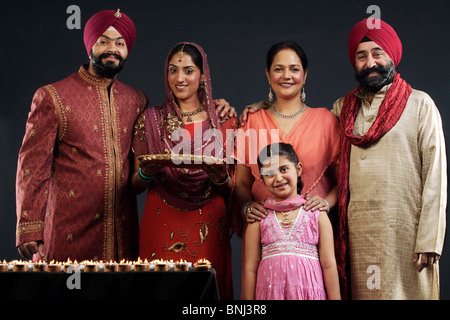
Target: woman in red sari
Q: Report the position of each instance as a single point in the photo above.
(186, 212)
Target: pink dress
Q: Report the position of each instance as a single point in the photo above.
(290, 268)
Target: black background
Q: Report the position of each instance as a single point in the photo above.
(38, 49)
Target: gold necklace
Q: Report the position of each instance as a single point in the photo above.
(192, 113)
(286, 222)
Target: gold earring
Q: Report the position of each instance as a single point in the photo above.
(270, 94)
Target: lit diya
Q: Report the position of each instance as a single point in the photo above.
(54, 266)
(20, 266)
(40, 266)
(111, 266)
(140, 265)
(181, 265)
(71, 266)
(4, 266)
(161, 265)
(90, 266)
(202, 264)
(125, 266)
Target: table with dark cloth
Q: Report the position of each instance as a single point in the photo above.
(150, 285)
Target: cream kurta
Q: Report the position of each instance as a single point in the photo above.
(398, 196)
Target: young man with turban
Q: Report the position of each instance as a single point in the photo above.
(392, 176)
(72, 192)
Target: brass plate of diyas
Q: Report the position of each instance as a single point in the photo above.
(202, 265)
(181, 160)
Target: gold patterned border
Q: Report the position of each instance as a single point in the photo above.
(31, 226)
(59, 109)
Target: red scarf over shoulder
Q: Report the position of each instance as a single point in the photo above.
(389, 113)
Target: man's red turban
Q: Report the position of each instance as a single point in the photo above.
(102, 20)
(379, 32)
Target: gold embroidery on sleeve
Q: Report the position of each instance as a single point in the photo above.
(30, 226)
(60, 111)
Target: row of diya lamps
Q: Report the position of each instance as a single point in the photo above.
(96, 266)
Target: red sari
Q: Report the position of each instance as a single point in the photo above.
(173, 234)
(185, 217)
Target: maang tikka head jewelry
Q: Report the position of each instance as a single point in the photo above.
(180, 54)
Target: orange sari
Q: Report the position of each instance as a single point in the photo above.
(315, 138)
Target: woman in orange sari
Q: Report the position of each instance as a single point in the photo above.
(186, 212)
(313, 132)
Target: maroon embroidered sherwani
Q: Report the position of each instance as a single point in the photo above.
(72, 189)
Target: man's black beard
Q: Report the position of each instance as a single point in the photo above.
(374, 84)
(108, 69)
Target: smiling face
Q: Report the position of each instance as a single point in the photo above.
(280, 175)
(184, 77)
(374, 68)
(108, 54)
(286, 75)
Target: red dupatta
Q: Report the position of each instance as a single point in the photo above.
(389, 113)
(184, 188)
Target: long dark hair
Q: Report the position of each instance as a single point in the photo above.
(280, 149)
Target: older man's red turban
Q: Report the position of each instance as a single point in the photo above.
(102, 20)
(379, 32)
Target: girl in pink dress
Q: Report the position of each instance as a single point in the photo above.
(290, 254)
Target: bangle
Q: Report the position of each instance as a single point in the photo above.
(328, 205)
(245, 207)
(221, 183)
(143, 177)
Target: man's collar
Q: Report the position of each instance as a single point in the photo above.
(92, 79)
